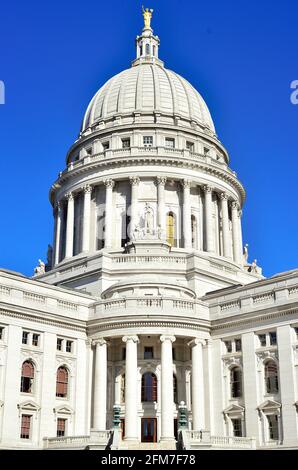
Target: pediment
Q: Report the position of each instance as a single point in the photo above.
(234, 409)
(269, 405)
(29, 406)
(63, 409)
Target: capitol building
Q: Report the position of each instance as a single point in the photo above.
(149, 327)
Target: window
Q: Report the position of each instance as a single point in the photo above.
(190, 146)
(59, 344)
(1, 332)
(262, 339)
(105, 146)
(25, 337)
(206, 151)
(175, 389)
(35, 339)
(69, 346)
(122, 389)
(147, 49)
(296, 331)
(238, 345)
(25, 427)
(174, 354)
(228, 345)
(236, 382)
(148, 352)
(171, 229)
(194, 232)
(273, 427)
(149, 387)
(89, 151)
(123, 354)
(62, 382)
(154, 50)
(237, 427)
(272, 337)
(271, 377)
(125, 143)
(61, 427)
(27, 377)
(170, 143)
(148, 141)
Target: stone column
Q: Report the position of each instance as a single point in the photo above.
(86, 217)
(161, 207)
(69, 225)
(167, 399)
(131, 385)
(58, 232)
(225, 226)
(100, 385)
(109, 184)
(240, 234)
(197, 384)
(134, 181)
(187, 235)
(235, 232)
(208, 219)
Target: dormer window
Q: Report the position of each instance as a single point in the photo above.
(170, 143)
(126, 143)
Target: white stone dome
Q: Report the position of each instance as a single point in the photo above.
(148, 88)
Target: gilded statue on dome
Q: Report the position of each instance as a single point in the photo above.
(147, 14)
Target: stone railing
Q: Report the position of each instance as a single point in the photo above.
(148, 259)
(81, 442)
(235, 304)
(203, 438)
(263, 298)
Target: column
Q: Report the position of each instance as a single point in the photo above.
(197, 384)
(100, 385)
(250, 384)
(131, 386)
(186, 215)
(58, 232)
(235, 232)
(134, 181)
(86, 217)
(225, 226)
(167, 399)
(208, 219)
(109, 184)
(69, 226)
(161, 207)
(240, 234)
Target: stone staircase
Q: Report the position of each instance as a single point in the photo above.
(136, 445)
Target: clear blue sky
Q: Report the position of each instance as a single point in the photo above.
(240, 55)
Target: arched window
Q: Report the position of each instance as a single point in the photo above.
(149, 387)
(271, 377)
(62, 382)
(171, 229)
(194, 232)
(175, 389)
(122, 389)
(27, 378)
(154, 50)
(236, 382)
(147, 49)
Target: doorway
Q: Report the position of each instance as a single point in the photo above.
(149, 430)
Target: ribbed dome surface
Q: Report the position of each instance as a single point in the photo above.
(146, 88)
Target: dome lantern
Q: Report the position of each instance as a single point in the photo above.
(147, 44)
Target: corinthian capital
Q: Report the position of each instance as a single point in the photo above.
(185, 184)
(224, 196)
(207, 189)
(109, 183)
(235, 205)
(134, 180)
(69, 196)
(87, 188)
(161, 180)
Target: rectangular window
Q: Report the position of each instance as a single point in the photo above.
(206, 151)
(237, 427)
(25, 426)
(59, 344)
(123, 354)
(61, 427)
(148, 352)
(1, 332)
(35, 339)
(89, 151)
(272, 337)
(190, 146)
(105, 146)
(25, 337)
(262, 339)
(125, 143)
(148, 141)
(228, 345)
(238, 345)
(68, 346)
(296, 331)
(174, 354)
(170, 143)
(273, 427)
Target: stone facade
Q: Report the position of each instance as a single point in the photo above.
(147, 301)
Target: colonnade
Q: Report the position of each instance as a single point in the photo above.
(229, 208)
